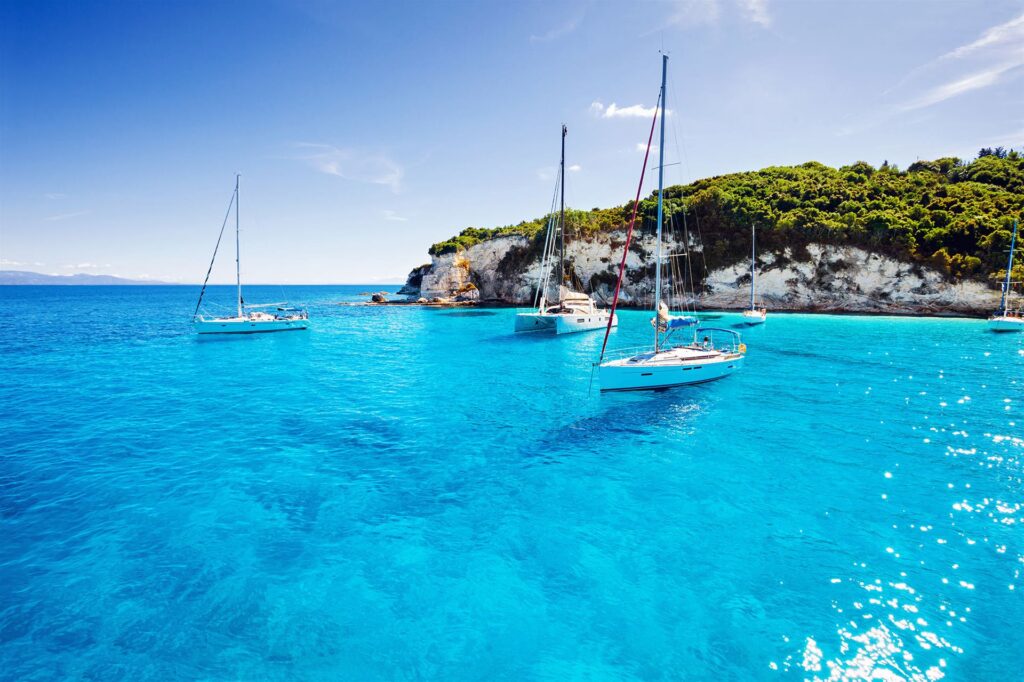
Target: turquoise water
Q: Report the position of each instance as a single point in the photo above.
(403, 493)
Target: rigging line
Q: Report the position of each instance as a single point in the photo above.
(629, 233)
(210, 269)
(542, 276)
(685, 161)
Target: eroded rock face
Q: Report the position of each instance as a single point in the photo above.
(825, 278)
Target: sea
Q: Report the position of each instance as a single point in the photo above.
(407, 493)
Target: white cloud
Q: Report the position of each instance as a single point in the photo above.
(391, 215)
(575, 168)
(87, 266)
(350, 164)
(66, 216)
(694, 13)
(756, 12)
(642, 147)
(560, 31)
(54, 195)
(613, 110)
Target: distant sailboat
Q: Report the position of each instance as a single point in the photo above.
(250, 319)
(1005, 319)
(755, 314)
(666, 365)
(574, 311)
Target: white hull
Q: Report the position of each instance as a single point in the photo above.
(1005, 323)
(563, 323)
(244, 325)
(667, 369)
(754, 317)
(535, 322)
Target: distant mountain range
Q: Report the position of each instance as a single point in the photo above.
(24, 277)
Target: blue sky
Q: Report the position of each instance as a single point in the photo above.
(364, 132)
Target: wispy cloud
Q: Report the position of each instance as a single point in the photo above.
(575, 168)
(642, 147)
(694, 13)
(990, 59)
(613, 110)
(546, 173)
(54, 195)
(351, 164)
(960, 86)
(997, 56)
(391, 215)
(562, 30)
(66, 216)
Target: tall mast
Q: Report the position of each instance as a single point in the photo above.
(238, 255)
(561, 220)
(1009, 270)
(753, 272)
(661, 201)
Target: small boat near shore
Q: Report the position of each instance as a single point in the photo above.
(718, 354)
(249, 319)
(1006, 319)
(574, 311)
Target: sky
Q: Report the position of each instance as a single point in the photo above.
(366, 131)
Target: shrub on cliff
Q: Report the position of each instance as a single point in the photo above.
(953, 214)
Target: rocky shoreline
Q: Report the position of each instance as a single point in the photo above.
(819, 278)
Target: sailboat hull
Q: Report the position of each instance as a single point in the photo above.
(668, 369)
(1006, 323)
(246, 326)
(535, 322)
(752, 318)
(563, 323)
(572, 323)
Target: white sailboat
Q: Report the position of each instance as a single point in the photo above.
(249, 319)
(574, 311)
(667, 365)
(1006, 319)
(755, 314)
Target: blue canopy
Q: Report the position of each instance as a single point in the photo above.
(681, 322)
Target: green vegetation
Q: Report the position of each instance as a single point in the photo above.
(953, 215)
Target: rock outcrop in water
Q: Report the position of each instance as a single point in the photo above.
(817, 277)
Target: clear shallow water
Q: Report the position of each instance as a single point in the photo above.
(404, 493)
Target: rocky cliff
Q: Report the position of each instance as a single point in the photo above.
(815, 277)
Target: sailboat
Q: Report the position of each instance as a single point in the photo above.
(574, 311)
(1004, 319)
(755, 314)
(666, 365)
(249, 319)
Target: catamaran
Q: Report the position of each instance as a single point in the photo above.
(755, 314)
(1005, 319)
(667, 365)
(574, 311)
(249, 319)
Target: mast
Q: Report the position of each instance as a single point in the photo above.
(753, 272)
(661, 202)
(561, 222)
(1009, 270)
(238, 265)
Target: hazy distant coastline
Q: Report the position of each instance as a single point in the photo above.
(37, 278)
